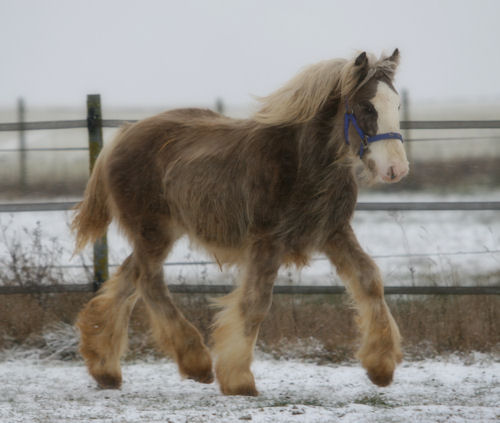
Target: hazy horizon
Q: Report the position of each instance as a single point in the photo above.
(166, 53)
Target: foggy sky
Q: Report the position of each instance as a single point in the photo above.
(155, 53)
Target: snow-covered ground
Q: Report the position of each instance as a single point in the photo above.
(412, 248)
(446, 390)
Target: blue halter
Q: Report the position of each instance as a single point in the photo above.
(365, 139)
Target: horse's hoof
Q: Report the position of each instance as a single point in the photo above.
(244, 390)
(380, 378)
(205, 377)
(236, 383)
(108, 381)
(196, 364)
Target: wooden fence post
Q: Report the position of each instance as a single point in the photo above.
(21, 117)
(406, 117)
(94, 126)
(219, 106)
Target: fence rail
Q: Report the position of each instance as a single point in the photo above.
(362, 206)
(278, 289)
(50, 124)
(21, 150)
(116, 123)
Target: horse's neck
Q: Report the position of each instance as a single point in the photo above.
(325, 190)
(322, 148)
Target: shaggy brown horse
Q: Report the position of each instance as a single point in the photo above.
(257, 193)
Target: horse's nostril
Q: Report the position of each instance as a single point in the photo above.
(392, 174)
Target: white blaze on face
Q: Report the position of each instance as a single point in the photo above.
(389, 155)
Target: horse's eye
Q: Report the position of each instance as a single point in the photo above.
(368, 108)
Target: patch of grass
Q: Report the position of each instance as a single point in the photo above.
(311, 402)
(376, 400)
(323, 333)
(32, 263)
(435, 325)
(25, 264)
(285, 402)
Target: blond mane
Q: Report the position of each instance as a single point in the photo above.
(300, 99)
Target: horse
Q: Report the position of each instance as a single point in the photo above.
(256, 193)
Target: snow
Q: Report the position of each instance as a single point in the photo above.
(445, 390)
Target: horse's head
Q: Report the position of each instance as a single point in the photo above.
(371, 121)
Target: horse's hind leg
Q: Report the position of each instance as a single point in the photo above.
(380, 346)
(172, 332)
(237, 325)
(103, 325)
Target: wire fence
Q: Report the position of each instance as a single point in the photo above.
(213, 289)
(361, 206)
(94, 123)
(412, 140)
(117, 123)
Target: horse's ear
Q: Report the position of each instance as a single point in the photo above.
(361, 66)
(361, 60)
(394, 57)
(391, 63)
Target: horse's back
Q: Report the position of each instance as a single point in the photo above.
(180, 166)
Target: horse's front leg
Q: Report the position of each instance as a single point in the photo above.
(380, 350)
(237, 324)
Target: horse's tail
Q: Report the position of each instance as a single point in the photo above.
(93, 213)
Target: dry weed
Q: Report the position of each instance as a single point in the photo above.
(320, 328)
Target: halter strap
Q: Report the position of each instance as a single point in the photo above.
(365, 139)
